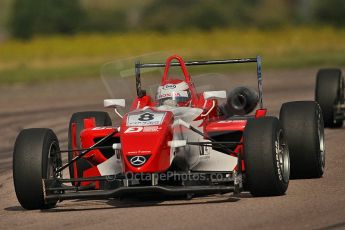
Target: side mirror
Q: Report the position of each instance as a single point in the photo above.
(114, 103)
(214, 94)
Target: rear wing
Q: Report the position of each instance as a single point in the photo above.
(183, 64)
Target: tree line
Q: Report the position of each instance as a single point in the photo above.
(29, 18)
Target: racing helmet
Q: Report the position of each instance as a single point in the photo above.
(174, 93)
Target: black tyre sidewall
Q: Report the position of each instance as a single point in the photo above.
(30, 165)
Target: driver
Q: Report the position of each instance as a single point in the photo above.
(174, 93)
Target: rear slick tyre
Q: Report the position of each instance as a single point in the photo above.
(329, 93)
(303, 125)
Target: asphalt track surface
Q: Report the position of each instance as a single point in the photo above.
(308, 204)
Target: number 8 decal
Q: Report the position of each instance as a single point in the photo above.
(146, 117)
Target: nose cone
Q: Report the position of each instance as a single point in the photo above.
(144, 138)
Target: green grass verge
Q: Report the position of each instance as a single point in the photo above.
(80, 56)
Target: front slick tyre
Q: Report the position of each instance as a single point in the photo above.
(35, 157)
(266, 157)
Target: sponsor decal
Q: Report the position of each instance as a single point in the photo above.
(134, 129)
(231, 121)
(138, 160)
(145, 129)
(149, 129)
(172, 94)
(169, 86)
(139, 152)
(277, 160)
(145, 119)
(101, 128)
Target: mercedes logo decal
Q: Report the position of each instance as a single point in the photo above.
(138, 160)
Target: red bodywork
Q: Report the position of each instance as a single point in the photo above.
(153, 145)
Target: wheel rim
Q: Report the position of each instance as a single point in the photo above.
(282, 157)
(54, 161)
(321, 139)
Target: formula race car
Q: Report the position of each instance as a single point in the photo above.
(178, 142)
(329, 93)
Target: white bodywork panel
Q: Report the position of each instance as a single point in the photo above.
(216, 161)
(198, 158)
(111, 166)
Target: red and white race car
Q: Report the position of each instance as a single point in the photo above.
(178, 142)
